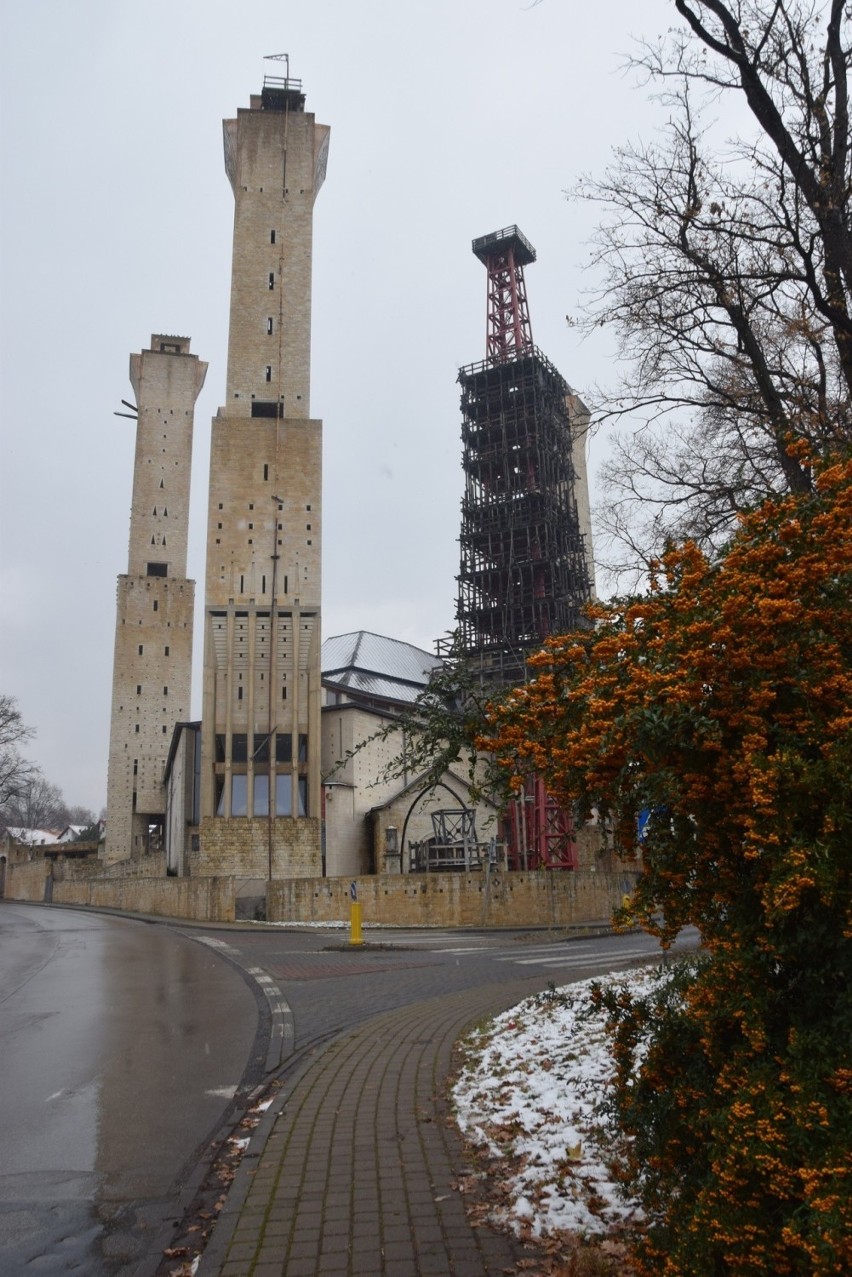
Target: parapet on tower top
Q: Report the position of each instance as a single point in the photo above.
(169, 344)
(501, 242)
(281, 92)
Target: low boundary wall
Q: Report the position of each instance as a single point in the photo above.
(481, 899)
(541, 898)
(27, 881)
(198, 899)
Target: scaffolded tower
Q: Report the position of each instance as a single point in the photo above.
(525, 569)
(524, 572)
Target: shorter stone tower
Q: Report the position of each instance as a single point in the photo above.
(153, 635)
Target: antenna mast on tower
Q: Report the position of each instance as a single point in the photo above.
(504, 254)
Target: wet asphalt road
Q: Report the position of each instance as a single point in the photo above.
(122, 1045)
(126, 1046)
(329, 987)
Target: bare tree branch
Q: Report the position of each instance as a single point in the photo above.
(16, 772)
(727, 277)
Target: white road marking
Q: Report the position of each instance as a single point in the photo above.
(582, 959)
(468, 948)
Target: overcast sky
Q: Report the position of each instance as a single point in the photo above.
(449, 119)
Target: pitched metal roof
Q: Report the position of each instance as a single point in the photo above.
(377, 667)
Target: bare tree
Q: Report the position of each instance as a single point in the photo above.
(80, 816)
(16, 772)
(38, 804)
(797, 90)
(728, 277)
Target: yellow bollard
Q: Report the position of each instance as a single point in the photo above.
(355, 922)
(354, 915)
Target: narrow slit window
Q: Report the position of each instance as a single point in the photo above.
(269, 324)
(271, 280)
(266, 472)
(269, 372)
(272, 237)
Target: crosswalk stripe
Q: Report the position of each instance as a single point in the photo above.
(581, 960)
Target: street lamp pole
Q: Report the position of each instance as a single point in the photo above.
(272, 643)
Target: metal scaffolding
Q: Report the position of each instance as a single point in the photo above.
(523, 572)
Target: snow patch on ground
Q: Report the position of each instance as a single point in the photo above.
(530, 1092)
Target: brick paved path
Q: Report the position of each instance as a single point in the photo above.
(358, 1173)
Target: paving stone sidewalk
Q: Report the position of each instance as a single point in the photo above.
(358, 1175)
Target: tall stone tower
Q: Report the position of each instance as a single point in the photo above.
(260, 763)
(153, 637)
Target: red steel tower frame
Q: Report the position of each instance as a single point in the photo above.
(508, 332)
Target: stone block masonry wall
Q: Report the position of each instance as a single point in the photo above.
(436, 900)
(241, 846)
(456, 900)
(201, 899)
(26, 881)
(150, 866)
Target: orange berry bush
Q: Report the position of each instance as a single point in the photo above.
(720, 705)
